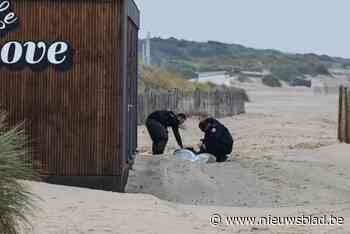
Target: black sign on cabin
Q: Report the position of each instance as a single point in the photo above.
(38, 55)
(82, 120)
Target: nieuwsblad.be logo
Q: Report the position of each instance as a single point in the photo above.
(37, 55)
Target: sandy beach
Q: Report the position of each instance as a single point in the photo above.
(286, 162)
(269, 166)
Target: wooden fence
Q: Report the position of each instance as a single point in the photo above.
(344, 115)
(216, 104)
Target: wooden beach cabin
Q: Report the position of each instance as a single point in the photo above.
(81, 119)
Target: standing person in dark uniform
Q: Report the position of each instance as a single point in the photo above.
(157, 125)
(217, 141)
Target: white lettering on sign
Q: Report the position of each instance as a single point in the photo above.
(8, 19)
(4, 5)
(37, 55)
(15, 56)
(57, 50)
(31, 49)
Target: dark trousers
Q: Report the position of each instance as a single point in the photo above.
(219, 152)
(221, 158)
(159, 136)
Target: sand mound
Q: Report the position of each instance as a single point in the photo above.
(295, 181)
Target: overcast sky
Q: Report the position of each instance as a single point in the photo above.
(299, 26)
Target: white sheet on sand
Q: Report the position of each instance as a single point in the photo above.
(190, 156)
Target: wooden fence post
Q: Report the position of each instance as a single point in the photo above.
(340, 114)
(345, 111)
(347, 127)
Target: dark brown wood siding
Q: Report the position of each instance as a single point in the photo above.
(72, 117)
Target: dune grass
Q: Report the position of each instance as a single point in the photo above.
(272, 81)
(156, 77)
(16, 202)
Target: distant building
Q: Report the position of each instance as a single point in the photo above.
(259, 74)
(215, 77)
(211, 74)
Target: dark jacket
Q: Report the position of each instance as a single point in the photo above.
(218, 139)
(168, 119)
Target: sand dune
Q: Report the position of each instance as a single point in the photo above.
(287, 162)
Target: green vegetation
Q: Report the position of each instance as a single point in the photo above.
(156, 77)
(272, 81)
(188, 57)
(152, 77)
(15, 199)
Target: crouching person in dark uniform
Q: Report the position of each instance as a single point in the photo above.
(157, 125)
(217, 141)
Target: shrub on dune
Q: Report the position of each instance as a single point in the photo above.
(272, 81)
(16, 202)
